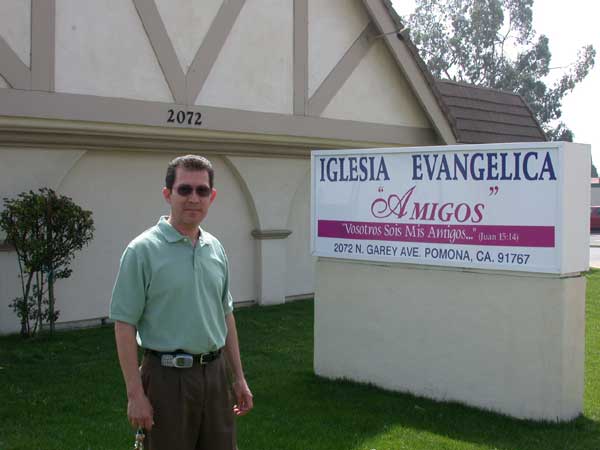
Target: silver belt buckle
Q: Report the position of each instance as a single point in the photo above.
(178, 361)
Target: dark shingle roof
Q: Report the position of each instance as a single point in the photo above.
(482, 115)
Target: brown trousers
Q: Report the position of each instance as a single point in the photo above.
(192, 407)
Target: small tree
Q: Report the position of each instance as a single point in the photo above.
(46, 231)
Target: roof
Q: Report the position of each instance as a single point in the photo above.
(386, 23)
(476, 115)
(483, 115)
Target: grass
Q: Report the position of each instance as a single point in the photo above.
(67, 393)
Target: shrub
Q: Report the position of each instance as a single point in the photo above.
(46, 231)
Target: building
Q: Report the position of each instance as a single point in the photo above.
(97, 97)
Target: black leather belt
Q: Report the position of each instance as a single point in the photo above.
(183, 360)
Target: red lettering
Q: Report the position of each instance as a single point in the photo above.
(467, 213)
(448, 215)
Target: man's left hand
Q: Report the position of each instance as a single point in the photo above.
(243, 398)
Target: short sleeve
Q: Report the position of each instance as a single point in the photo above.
(129, 293)
(227, 299)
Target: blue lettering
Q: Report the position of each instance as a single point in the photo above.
(342, 178)
(517, 166)
(363, 169)
(526, 165)
(547, 167)
(417, 167)
(482, 166)
(353, 169)
(481, 171)
(430, 168)
(382, 170)
(330, 172)
(444, 168)
(459, 166)
(322, 169)
(503, 176)
(492, 166)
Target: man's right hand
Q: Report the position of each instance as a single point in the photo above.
(139, 409)
(140, 412)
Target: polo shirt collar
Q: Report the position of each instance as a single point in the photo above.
(172, 235)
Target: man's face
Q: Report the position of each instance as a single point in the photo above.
(188, 209)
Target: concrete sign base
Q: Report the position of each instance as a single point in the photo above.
(503, 341)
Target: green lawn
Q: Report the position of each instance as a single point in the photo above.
(67, 393)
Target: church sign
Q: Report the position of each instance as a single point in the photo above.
(492, 206)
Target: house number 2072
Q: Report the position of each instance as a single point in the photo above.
(185, 117)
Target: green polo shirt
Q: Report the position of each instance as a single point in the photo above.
(176, 295)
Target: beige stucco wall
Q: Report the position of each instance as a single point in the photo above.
(15, 28)
(333, 26)
(123, 190)
(254, 69)
(280, 189)
(377, 92)
(187, 23)
(272, 183)
(22, 169)
(300, 265)
(111, 57)
(9, 289)
(500, 341)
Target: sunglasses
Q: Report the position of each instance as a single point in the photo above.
(186, 190)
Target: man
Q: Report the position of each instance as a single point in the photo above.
(173, 289)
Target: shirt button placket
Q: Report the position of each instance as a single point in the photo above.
(189, 244)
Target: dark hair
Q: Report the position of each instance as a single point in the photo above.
(189, 162)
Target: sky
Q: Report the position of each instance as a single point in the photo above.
(569, 26)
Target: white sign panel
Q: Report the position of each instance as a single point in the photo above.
(475, 206)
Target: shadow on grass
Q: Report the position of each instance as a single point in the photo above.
(388, 416)
(310, 412)
(297, 410)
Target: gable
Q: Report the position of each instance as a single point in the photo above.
(377, 92)
(307, 70)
